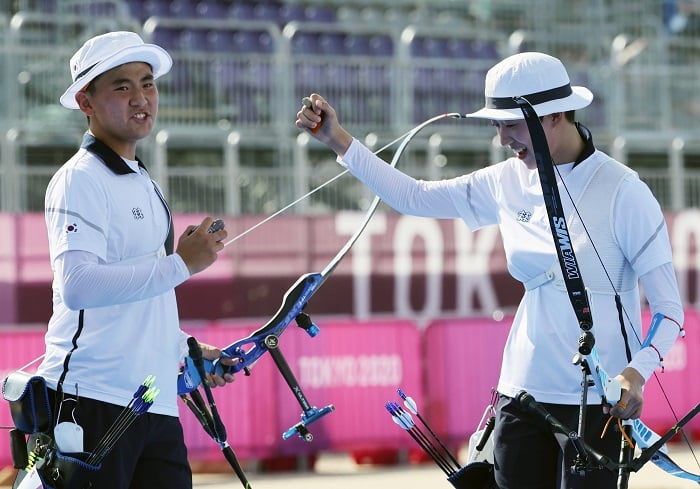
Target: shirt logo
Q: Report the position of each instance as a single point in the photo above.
(524, 216)
(138, 214)
(72, 228)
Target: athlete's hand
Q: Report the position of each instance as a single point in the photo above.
(212, 353)
(319, 118)
(631, 401)
(198, 247)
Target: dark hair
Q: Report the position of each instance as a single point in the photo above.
(569, 115)
(90, 88)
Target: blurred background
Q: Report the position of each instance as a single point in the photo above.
(225, 145)
(226, 141)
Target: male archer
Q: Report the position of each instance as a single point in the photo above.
(115, 318)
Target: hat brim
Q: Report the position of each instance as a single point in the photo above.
(580, 97)
(157, 57)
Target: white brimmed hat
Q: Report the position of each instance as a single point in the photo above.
(107, 51)
(539, 78)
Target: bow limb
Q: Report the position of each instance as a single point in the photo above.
(654, 447)
(266, 339)
(248, 350)
(607, 386)
(375, 202)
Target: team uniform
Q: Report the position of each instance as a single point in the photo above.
(628, 230)
(110, 230)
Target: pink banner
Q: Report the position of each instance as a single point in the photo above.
(357, 367)
(354, 366)
(671, 393)
(448, 368)
(462, 365)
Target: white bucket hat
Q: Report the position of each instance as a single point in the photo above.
(541, 79)
(107, 51)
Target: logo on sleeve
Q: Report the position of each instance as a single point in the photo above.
(524, 216)
(138, 214)
(71, 228)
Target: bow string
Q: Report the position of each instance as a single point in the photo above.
(248, 350)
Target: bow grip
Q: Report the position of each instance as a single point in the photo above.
(189, 379)
(608, 387)
(246, 357)
(217, 368)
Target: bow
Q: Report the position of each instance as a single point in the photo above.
(266, 339)
(653, 445)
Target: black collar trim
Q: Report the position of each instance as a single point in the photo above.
(111, 159)
(589, 148)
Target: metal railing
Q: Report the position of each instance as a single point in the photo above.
(226, 142)
(226, 173)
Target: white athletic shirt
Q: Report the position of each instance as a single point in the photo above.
(544, 335)
(113, 290)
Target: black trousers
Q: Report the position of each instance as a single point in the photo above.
(528, 456)
(150, 455)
